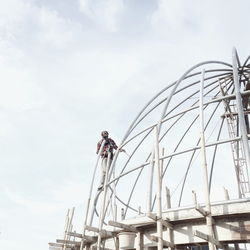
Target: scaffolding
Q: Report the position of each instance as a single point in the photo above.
(184, 141)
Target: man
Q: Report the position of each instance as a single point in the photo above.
(245, 100)
(107, 154)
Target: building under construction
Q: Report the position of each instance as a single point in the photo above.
(184, 181)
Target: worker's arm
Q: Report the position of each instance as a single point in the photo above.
(115, 146)
(98, 147)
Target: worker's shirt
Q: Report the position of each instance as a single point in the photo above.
(109, 146)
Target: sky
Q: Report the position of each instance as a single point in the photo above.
(72, 68)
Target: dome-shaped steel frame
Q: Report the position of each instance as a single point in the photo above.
(209, 98)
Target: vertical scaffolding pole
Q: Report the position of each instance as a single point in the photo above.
(150, 186)
(158, 195)
(204, 165)
(239, 106)
(69, 225)
(66, 228)
(241, 119)
(90, 193)
(115, 205)
(168, 197)
(102, 214)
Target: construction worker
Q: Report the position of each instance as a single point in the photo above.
(245, 100)
(107, 154)
(246, 97)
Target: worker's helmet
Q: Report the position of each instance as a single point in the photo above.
(105, 134)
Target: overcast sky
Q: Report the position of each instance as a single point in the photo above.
(71, 68)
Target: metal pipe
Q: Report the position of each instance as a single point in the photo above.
(162, 161)
(112, 167)
(102, 213)
(175, 153)
(219, 99)
(90, 192)
(239, 106)
(170, 128)
(215, 76)
(184, 76)
(226, 195)
(114, 192)
(150, 186)
(178, 83)
(159, 191)
(181, 89)
(138, 117)
(168, 156)
(204, 165)
(168, 198)
(214, 154)
(66, 228)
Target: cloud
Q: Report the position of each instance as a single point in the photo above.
(54, 29)
(22, 21)
(181, 18)
(170, 16)
(174, 16)
(19, 90)
(58, 199)
(69, 191)
(23, 28)
(201, 30)
(34, 206)
(12, 12)
(104, 13)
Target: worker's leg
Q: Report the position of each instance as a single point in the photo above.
(106, 163)
(109, 162)
(104, 167)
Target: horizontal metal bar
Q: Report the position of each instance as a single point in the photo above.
(164, 222)
(176, 153)
(104, 233)
(201, 210)
(123, 226)
(207, 238)
(217, 99)
(156, 239)
(77, 243)
(77, 235)
(198, 147)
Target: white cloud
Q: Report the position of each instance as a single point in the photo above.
(12, 12)
(202, 20)
(169, 15)
(54, 29)
(105, 13)
(34, 206)
(58, 198)
(19, 90)
(199, 31)
(22, 20)
(69, 191)
(23, 28)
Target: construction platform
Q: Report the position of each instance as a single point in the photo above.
(183, 227)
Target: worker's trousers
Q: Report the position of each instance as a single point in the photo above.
(106, 163)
